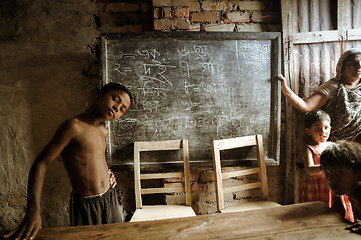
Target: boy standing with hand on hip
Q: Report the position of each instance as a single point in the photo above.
(81, 141)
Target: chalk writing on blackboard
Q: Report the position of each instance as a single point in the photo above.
(194, 86)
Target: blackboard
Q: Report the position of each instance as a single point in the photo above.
(199, 86)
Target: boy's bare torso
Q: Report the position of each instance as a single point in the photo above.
(84, 159)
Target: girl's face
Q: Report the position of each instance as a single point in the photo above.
(319, 131)
(352, 68)
(341, 180)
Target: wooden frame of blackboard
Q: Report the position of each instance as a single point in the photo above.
(272, 146)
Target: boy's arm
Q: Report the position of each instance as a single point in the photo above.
(31, 222)
(314, 102)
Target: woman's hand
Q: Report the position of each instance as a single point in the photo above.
(315, 101)
(283, 81)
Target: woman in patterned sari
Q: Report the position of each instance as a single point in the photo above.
(340, 97)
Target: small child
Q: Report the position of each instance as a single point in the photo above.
(341, 164)
(317, 127)
(81, 142)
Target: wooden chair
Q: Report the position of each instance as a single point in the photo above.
(155, 212)
(233, 143)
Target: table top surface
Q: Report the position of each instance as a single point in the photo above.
(297, 221)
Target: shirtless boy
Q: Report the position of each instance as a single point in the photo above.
(81, 141)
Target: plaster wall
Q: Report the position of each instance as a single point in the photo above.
(45, 49)
(43, 52)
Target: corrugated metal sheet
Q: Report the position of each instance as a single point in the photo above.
(313, 15)
(355, 14)
(315, 63)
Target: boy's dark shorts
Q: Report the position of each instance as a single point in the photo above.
(95, 210)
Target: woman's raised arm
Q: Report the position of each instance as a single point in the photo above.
(313, 102)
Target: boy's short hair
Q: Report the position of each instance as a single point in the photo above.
(115, 86)
(314, 116)
(342, 153)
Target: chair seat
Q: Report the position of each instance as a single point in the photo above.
(245, 206)
(157, 212)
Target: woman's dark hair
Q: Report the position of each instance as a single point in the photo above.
(314, 116)
(342, 153)
(115, 86)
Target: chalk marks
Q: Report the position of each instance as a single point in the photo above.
(204, 87)
(185, 65)
(254, 52)
(194, 89)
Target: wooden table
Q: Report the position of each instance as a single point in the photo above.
(298, 221)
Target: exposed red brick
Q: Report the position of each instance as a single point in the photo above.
(249, 27)
(194, 187)
(158, 13)
(195, 27)
(237, 16)
(171, 185)
(248, 5)
(209, 197)
(180, 12)
(204, 17)
(222, 27)
(171, 3)
(175, 199)
(195, 174)
(171, 24)
(217, 5)
(194, 6)
(167, 12)
(207, 176)
(172, 180)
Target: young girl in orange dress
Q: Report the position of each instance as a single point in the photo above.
(315, 187)
(317, 128)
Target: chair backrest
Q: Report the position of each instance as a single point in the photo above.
(232, 143)
(167, 145)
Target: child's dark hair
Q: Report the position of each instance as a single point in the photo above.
(115, 86)
(342, 153)
(314, 116)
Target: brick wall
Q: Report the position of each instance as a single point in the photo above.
(203, 189)
(119, 16)
(229, 16)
